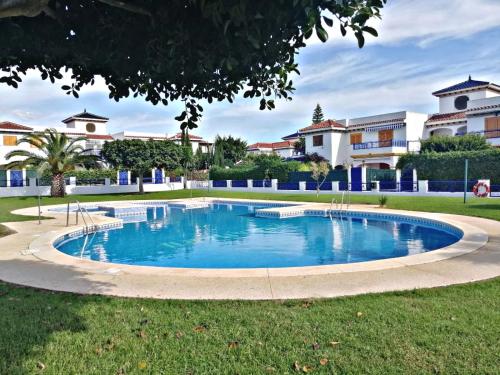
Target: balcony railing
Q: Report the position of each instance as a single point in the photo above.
(378, 144)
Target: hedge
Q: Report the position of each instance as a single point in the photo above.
(85, 174)
(279, 171)
(450, 165)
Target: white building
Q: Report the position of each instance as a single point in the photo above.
(284, 149)
(378, 141)
(89, 125)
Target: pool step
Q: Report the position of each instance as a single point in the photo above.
(189, 205)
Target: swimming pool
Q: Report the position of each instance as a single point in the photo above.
(231, 236)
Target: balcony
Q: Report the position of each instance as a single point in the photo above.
(379, 144)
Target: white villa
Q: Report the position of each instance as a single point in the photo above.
(378, 141)
(87, 124)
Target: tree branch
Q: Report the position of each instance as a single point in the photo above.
(128, 7)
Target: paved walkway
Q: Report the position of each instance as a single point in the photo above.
(28, 258)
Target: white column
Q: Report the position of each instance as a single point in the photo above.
(376, 186)
(249, 184)
(229, 184)
(398, 179)
(72, 180)
(33, 181)
(7, 176)
(107, 181)
(415, 180)
(302, 186)
(167, 180)
(210, 184)
(274, 184)
(363, 178)
(335, 186)
(423, 186)
(348, 175)
(23, 171)
(129, 177)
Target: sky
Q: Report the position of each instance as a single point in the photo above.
(423, 46)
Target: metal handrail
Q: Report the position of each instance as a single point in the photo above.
(81, 210)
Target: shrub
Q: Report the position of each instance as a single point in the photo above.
(450, 165)
(382, 200)
(468, 142)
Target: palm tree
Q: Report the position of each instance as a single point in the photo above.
(57, 153)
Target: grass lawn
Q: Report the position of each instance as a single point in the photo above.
(445, 330)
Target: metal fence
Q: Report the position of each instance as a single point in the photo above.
(327, 185)
(450, 186)
(239, 183)
(288, 186)
(261, 183)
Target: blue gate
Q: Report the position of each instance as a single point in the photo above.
(123, 178)
(407, 182)
(16, 178)
(356, 181)
(158, 176)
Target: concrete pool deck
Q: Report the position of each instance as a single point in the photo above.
(29, 258)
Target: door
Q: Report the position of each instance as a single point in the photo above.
(158, 176)
(123, 178)
(356, 181)
(16, 178)
(385, 137)
(407, 180)
(492, 127)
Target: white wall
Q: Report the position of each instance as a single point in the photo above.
(447, 103)
(88, 190)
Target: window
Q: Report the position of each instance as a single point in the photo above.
(90, 127)
(461, 102)
(317, 140)
(356, 138)
(385, 137)
(9, 140)
(492, 127)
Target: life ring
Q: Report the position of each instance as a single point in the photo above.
(481, 190)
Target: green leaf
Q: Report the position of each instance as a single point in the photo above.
(322, 34)
(370, 30)
(328, 21)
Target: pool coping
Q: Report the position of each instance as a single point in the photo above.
(41, 248)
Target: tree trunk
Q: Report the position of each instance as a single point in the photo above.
(141, 183)
(58, 187)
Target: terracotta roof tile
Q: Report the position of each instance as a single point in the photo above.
(179, 136)
(438, 117)
(271, 145)
(327, 124)
(7, 125)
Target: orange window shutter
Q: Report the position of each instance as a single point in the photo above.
(9, 140)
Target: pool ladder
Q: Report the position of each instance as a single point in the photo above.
(347, 197)
(82, 211)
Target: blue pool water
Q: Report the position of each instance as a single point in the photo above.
(230, 236)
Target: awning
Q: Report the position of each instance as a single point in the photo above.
(385, 127)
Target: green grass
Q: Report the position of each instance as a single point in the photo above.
(444, 330)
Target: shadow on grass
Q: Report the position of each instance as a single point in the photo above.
(30, 317)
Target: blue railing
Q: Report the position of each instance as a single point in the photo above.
(327, 185)
(388, 185)
(239, 183)
(378, 144)
(90, 181)
(495, 191)
(261, 183)
(219, 183)
(288, 186)
(450, 186)
(343, 185)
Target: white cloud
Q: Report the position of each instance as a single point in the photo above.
(427, 21)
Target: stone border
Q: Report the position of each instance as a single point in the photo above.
(151, 278)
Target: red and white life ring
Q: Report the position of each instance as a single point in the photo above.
(481, 189)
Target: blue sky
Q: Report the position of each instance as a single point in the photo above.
(424, 45)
